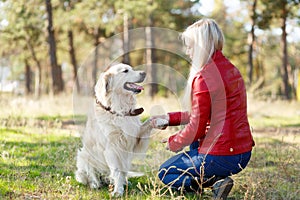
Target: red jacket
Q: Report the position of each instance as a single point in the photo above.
(218, 118)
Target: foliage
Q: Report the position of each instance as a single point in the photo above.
(24, 37)
(24, 30)
(277, 7)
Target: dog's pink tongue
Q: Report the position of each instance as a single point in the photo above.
(140, 87)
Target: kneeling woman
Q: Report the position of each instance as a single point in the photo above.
(217, 127)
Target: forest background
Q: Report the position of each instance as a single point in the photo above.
(44, 43)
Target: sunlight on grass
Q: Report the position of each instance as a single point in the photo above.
(274, 121)
(273, 171)
(38, 165)
(38, 146)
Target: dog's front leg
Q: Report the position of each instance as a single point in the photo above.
(119, 179)
(146, 128)
(117, 169)
(142, 140)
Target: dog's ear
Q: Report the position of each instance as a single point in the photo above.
(107, 78)
(103, 85)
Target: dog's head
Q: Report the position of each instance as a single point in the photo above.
(119, 80)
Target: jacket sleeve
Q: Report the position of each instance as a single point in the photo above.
(199, 117)
(178, 118)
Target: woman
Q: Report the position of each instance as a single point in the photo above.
(217, 127)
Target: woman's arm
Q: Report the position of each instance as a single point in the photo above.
(178, 118)
(198, 120)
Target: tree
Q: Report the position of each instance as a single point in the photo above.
(251, 41)
(95, 19)
(73, 59)
(56, 71)
(28, 77)
(23, 38)
(175, 15)
(133, 12)
(68, 25)
(234, 33)
(280, 11)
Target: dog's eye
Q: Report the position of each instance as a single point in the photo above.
(125, 71)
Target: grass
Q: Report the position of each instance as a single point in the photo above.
(275, 121)
(38, 161)
(40, 165)
(273, 172)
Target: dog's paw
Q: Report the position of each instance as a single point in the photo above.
(105, 180)
(160, 123)
(117, 192)
(81, 177)
(95, 185)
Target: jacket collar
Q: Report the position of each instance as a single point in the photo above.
(217, 54)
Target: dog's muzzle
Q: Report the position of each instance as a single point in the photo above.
(135, 87)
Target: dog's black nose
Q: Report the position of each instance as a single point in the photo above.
(143, 74)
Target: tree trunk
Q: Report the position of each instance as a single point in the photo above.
(38, 70)
(126, 58)
(37, 81)
(150, 59)
(150, 56)
(251, 44)
(56, 72)
(284, 70)
(73, 59)
(27, 77)
(96, 54)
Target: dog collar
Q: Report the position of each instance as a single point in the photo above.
(134, 112)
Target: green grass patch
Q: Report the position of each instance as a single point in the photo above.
(273, 172)
(274, 121)
(39, 163)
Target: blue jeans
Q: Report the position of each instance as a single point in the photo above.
(181, 169)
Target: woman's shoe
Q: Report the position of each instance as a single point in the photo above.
(222, 188)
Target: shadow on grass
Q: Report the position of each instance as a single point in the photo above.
(56, 121)
(295, 125)
(41, 160)
(270, 152)
(43, 167)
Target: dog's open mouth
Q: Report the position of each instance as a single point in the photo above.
(133, 87)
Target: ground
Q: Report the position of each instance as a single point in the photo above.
(39, 140)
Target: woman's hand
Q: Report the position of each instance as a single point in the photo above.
(166, 141)
(160, 122)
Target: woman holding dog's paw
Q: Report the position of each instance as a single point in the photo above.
(217, 128)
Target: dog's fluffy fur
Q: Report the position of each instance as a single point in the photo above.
(111, 137)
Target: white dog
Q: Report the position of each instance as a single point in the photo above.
(114, 132)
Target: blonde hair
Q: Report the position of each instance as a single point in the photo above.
(204, 37)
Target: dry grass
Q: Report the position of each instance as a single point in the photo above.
(37, 147)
